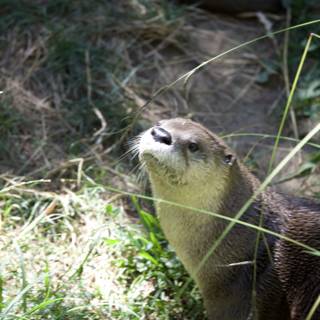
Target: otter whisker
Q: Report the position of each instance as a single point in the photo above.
(134, 169)
(124, 155)
(133, 150)
(141, 177)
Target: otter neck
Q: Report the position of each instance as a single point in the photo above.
(207, 196)
(223, 194)
(239, 190)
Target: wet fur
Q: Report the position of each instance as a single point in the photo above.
(287, 282)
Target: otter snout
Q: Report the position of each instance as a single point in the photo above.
(161, 135)
(181, 152)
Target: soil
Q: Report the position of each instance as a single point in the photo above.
(242, 92)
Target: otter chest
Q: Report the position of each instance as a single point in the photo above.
(190, 233)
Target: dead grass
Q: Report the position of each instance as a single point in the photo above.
(73, 255)
(70, 71)
(45, 253)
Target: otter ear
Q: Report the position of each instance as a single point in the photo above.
(229, 159)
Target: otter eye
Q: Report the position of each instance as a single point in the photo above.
(193, 147)
(229, 159)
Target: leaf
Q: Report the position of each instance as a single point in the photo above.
(111, 210)
(155, 241)
(315, 158)
(149, 257)
(149, 221)
(310, 165)
(111, 242)
(312, 91)
(306, 168)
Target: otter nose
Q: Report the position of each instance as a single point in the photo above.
(161, 135)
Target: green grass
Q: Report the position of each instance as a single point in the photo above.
(72, 256)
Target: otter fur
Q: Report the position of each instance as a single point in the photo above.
(250, 275)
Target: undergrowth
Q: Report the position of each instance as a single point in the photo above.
(111, 268)
(306, 102)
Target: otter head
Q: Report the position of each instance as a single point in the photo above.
(180, 154)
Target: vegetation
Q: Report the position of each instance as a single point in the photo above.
(74, 76)
(110, 267)
(67, 251)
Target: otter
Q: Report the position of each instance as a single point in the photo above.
(250, 275)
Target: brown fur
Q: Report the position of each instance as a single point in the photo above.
(287, 278)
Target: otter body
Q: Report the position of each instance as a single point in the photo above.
(250, 275)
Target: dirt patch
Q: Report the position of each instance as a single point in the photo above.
(242, 92)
